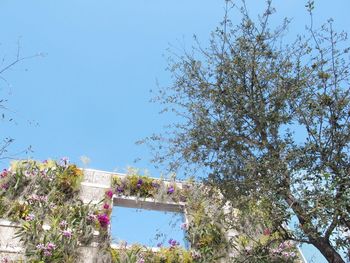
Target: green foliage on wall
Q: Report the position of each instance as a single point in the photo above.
(43, 197)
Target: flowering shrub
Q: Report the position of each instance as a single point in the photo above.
(204, 231)
(140, 254)
(267, 250)
(43, 197)
(143, 186)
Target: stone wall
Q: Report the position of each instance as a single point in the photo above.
(93, 188)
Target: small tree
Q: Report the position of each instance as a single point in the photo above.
(269, 123)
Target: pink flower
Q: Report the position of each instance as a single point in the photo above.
(50, 246)
(47, 253)
(109, 194)
(5, 186)
(282, 246)
(67, 233)
(63, 224)
(30, 217)
(106, 206)
(195, 254)
(4, 173)
(37, 198)
(91, 217)
(47, 249)
(40, 246)
(184, 226)
(103, 220)
(266, 232)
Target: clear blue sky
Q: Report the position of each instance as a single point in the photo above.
(146, 227)
(90, 94)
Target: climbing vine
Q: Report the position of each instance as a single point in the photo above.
(43, 198)
(204, 231)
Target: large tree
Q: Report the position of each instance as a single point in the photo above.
(268, 120)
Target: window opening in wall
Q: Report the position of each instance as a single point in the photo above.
(147, 227)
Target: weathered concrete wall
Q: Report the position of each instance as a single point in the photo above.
(10, 247)
(94, 185)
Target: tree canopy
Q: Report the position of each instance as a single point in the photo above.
(268, 120)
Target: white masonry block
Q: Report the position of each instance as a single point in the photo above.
(97, 177)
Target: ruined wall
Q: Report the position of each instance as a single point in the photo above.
(92, 189)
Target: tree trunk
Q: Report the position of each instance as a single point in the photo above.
(327, 251)
(321, 243)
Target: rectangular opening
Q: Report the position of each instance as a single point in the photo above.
(150, 228)
(147, 203)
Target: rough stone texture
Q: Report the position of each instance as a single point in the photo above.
(16, 257)
(7, 233)
(10, 247)
(97, 177)
(88, 254)
(92, 193)
(148, 203)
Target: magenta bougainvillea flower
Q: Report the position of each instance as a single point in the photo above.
(103, 220)
(106, 206)
(109, 194)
